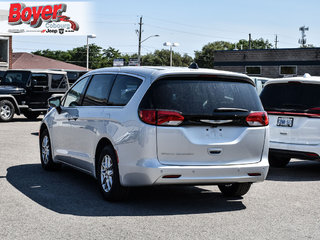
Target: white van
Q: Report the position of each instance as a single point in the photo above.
(293, 106)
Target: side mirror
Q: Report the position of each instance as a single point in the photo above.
(55, 102)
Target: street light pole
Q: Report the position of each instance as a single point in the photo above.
(141, 41)
(89, 36)
(139, 46)
(169, 44)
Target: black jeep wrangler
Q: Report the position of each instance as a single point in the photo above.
(27, 92)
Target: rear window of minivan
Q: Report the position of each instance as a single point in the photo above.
(201, 96)
(290, 96)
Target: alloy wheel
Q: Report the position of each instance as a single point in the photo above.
(106, 173)
(45, 149)
(5, 111)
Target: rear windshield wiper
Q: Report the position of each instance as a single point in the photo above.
(224, 109)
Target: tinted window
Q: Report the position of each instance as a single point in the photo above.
(42, 79)
(123, 90)
(201, 97)
(72, 77)
(98, 90)
(58, 81)
(75, 94)
(16, 78)
(290, 96)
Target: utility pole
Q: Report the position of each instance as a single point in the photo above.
(139, 46)
(249, 40)
(276, 42)
(303, 39)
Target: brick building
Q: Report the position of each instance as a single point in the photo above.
(273, 63)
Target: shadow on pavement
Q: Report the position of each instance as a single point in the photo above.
(68, 191)
(296, 171)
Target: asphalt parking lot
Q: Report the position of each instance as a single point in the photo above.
(66, 204)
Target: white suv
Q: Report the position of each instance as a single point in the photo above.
(137, 126)
(293, 106)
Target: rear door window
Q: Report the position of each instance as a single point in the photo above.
(123, 90)
(200, 97)
(292, 96)
(98, 90)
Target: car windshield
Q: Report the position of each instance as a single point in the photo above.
(202, 97)
(15, 78)
(290, 96)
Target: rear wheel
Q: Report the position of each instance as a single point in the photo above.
(108, 176)
(6, 110)
(276, 161)
(31, 115)
(234, 189)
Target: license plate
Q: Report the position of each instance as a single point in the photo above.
(285, 122)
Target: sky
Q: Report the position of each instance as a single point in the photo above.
(190, 23)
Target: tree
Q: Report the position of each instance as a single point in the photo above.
(255, 44)
(162, 58)
(204, 58)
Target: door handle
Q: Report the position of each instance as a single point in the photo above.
(214, 151)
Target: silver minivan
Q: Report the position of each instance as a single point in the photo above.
(138, 126)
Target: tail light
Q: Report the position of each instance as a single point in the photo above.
(257, 119)
(161, 118)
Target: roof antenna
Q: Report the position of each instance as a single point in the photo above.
(194, 66)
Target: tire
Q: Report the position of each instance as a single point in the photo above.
(31, 115)
(276, 161)
(108, 176)
(6, 110)
(46, 153)
(234, 189)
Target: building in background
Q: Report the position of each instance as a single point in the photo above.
(270, 63)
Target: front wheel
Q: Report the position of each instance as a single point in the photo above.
(108, 176)
(234, 189)
(6, 110)
(46, 152)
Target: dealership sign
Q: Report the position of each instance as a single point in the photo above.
(46, 19)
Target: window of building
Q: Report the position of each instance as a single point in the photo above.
(4, 45)
(288, 70)
(99, 90)
(123, 90)
(253, 70)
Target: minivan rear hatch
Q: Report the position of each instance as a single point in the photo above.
(210, 120)
(294, 111)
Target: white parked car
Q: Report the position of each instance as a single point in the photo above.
(137, 126)
(293, 106)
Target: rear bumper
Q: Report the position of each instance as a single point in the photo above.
(300, 151)
(151, 172)
(294, 154)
